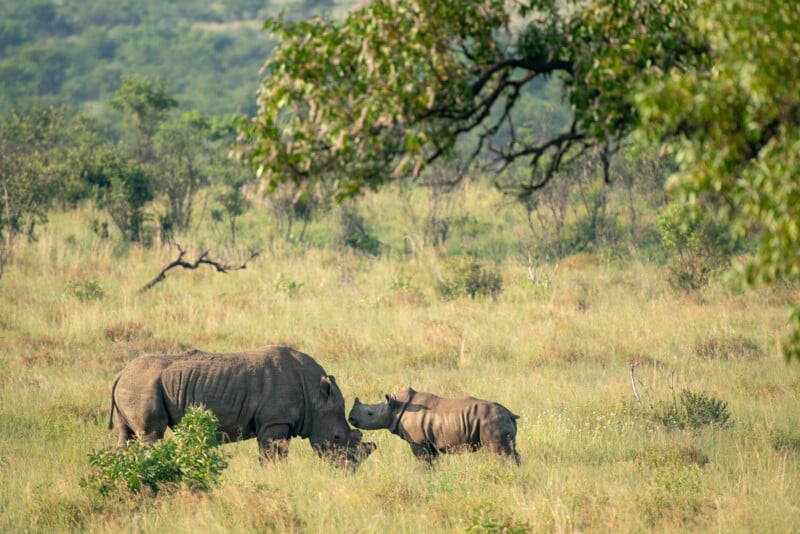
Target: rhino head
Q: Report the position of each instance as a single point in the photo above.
(331, 436)
(372, 416)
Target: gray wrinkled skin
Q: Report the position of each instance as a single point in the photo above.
(434, 425)
(272, 394)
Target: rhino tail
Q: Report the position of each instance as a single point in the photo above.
(113, 403)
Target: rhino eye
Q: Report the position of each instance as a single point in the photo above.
(370, 413)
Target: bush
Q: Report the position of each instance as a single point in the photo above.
(694, 410)
(698, 246)
(485, 521)
(286, 285)
(784, 440)
(190, 458)
(85, 290)
(465, 275)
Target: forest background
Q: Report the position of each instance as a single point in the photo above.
(116, 134)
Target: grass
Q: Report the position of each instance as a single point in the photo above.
(592, 459)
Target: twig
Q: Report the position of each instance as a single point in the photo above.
(646, 394)
(202, 259)
(633, 383)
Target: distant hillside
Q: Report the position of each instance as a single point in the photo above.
(73, 52)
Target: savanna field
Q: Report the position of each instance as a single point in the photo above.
(557, 350)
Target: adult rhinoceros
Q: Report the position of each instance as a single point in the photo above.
(273, 394)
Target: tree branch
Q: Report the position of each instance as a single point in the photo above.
(202, 259)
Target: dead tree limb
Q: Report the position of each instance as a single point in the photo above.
(202, 259)
(633, 383)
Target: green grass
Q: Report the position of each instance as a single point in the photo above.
(592, 459)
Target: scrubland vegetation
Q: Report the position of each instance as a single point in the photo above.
(556, 348)
(653, 390)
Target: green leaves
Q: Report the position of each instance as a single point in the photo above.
(356, 102)
(191, 457)
(382, 94)
(736, 130)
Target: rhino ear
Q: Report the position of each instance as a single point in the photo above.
(389, 400)
(325, 385)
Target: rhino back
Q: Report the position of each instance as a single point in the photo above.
(272, 385)
(450, 422)
(429, 419)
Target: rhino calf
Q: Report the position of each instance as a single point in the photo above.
(434, 425)
(272, 394)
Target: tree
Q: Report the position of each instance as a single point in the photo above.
(148, 103)
(397, 84)
(735, 130)
(181, 165)
(125, 188)
(35, 151)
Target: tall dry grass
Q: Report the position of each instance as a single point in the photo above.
(71, 317)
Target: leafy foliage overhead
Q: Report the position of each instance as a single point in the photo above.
(736, 130)
(397, 83)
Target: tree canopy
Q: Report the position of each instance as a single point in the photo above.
(398, 83)
(735, 130)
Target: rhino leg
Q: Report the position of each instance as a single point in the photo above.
(149, 426)
(126, 434)
(273, 442)
(424, 452)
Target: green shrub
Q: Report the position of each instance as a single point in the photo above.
(85, 290)
(286, 285)
(464, 275)
(485, 521)
(698, 246)
(693, 410)
(702, 409)
(191, 457)
(784, 440)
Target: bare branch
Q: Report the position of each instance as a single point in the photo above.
(633, 382)
(534, 65)
(202, 259)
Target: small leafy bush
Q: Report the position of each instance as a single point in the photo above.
(693, 410)
(191, 457)
(784, 440)
(464, 275)
(286, 285)
(85, 290)
(485, 521)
